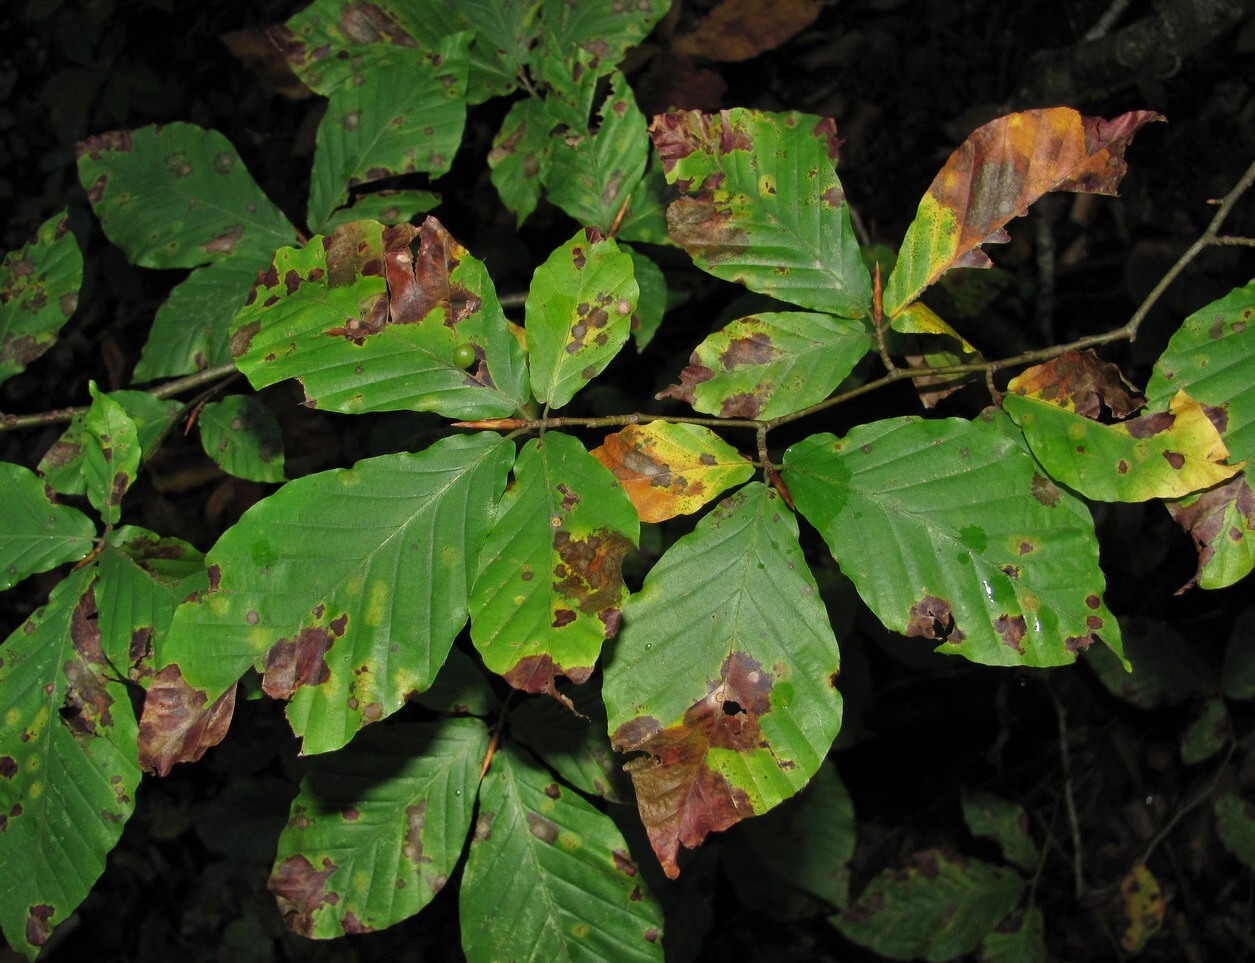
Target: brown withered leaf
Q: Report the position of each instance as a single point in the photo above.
(1082, 382)
(299, 890)
(681, 799)
(177, 725)
(737, 30)
(1221, 521)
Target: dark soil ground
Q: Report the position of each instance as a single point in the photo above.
(906, 82)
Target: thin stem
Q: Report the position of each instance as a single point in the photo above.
(1068, 799)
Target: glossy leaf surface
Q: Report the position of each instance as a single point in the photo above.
(346, 588)
(1166, 454)
(671, 469)
(377, 827)
(579, 315)
(734, 715)
(178, 196)
(67, 764)
(950, 534)
(549, 590)
(39, 291)
(35, 533)
(537, 842)
(1000, 170)
(768, 365)
(367, 326)
(242, 436)
(763, 206)
(1211, 356)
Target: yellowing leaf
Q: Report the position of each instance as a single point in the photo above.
(1163, 455)
(1000, 170)
(1143, 908)
(670, 470)
(1078, 381)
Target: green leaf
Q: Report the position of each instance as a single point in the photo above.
(143, 578)
(549, 590)
(734, 714)
(505, 32)
(1166, 454)
(377, 827)
(1003, 821)
(671, 469)
(67, 762)
(191, 330)
(817, 830)
(1024, 944)
(242, 436)
(768, 365)
(111, 456)
(1210, 357)
(1169, 668)
(178, 196)
(39, 285)
(346, 587)
(590, 175)
(995, 175)
(461, 687)
(367, 326)
(517, 155)
(1237, 676)
(573, 744)
(1235, 825)
(938, 908)
(376, 128)
(949, 533)
(764, 207)
(35, 533)
(602, 29)
(536, 846)
(63, 464)
(652, 304)
(386, 206)
(579, 310)
(1207, 734)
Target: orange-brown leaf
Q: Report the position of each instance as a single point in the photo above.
(177, 725)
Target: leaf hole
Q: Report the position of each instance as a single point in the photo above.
(731, 707)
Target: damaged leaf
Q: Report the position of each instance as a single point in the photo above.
(178, 196)
(579, 314)
(950, 534)
(938, 908)
(1080, 382)
(671, 469)
(345, 588)
(39, 285)
(1167, 454)
(795, 242)
(377, 827)
(1000, 170)
(242, 436)
(1210, 356)
(68, 772)
(517, 155)
(366, 325)
(36, 534)
(739, 30)
(536, 843)
(725, 675)
(768, 365)
(375, 128)
(1003, 821)
(179, 723)
(931, 343)
(549, 590)
(111, 454)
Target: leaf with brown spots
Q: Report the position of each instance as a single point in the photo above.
(111, 454)
(386, 818)
(67, 763)
(669, 469)
(179, 724)
(1211, 358)
(242, 436)
(579, 314)
(365, 324)
(346, 587)
(178, 196)
(549, 590)
(949, 534)
(724, 675)
(1166, 454)
(1000, 170)
(768, 365)
(536, 843)
(1082, 382)
(762, 205)
(739, 30)
(38, 292)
